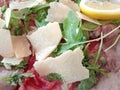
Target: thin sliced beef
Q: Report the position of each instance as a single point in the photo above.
(113, 58)
(113, 54)
(110, 83)
(112, 65)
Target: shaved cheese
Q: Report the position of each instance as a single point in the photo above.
(7, 16)
(2, 23)
(69, 65)
(21, 46)
(71, 4)
(11, 61)
(24, 4)
(6, 48)
(57, 12)
(41, 1)
(45, 39)
(84, 17)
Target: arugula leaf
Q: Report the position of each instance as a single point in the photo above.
(20, 20)
(103, 22)
(1, 64)
(16, 79)
(41, 11)
(88, 83)
(53, 76)
(48, 1)
(77, 1)
(71, 27)
(22, 65)
(72, 33)
(87, 26)
(3, 8)
(41, 23)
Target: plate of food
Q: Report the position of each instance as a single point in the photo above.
(60, 45)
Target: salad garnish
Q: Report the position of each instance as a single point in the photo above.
(59, 44)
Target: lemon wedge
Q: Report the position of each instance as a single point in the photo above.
(101, 9)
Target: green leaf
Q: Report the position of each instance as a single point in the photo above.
(88, 83)
(1, 64)
(14, 22)
(16, 79)
(48, 1)
(39, 7)
(22, 65)
(87, 26)
(26, 75)
(71, 27)
(77, 1)
(41, 23)
(72, 33)
(41, 12)
(53, 76)
(3, 8)
(117, 22)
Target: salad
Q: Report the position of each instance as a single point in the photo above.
(59, 45)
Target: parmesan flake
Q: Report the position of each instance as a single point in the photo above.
(6, 48)
(21, 46)
(24, 4)
(57, 12)
(2, 23)
(71, 4)
(69, 65)
(45, 39)
(11, 61)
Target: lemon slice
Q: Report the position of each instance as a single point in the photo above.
(101, 9)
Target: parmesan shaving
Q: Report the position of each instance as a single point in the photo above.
(2, 23)
(6, 48)
(71, 4)
(45, 39)
(11, 61)
(69, 65)
(57, 12)
(21, 46)
(24, 4)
